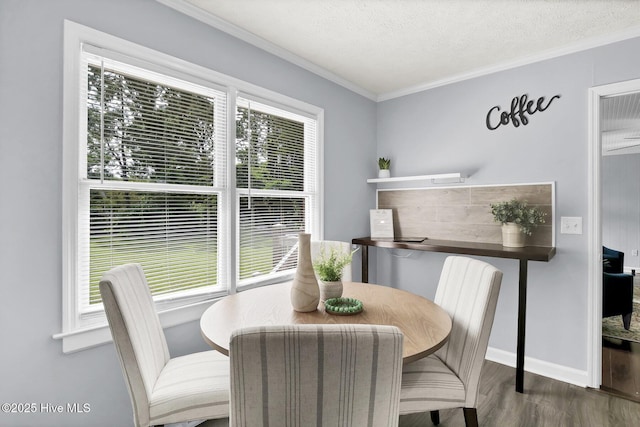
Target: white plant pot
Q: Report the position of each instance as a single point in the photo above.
(512, 236)
(384, 173)
(330, 289)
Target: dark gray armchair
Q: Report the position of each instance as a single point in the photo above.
(617, 287)
(612, 260)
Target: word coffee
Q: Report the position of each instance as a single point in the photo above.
(521, 106)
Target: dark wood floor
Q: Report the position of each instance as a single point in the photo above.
(621, 361)
(621, 367)
(545, 402)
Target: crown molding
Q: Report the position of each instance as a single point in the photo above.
(580, 46)
(248, 37)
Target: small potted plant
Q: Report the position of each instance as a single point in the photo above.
(518, 221)
(329, 267)
(383, 167)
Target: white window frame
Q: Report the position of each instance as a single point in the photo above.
(90, 315)
(77, 335)
(310, 197)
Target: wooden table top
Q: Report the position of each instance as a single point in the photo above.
(425, 325)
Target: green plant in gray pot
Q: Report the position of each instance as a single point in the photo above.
(383, 167)
(329, 267)
(518, 220)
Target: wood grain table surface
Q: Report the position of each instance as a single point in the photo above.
(425, 325)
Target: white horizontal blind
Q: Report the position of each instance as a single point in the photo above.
(152, 180)
(276, 186)
(173, 236)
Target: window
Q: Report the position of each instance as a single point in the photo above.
(155, 174)
(276, 187)
(151, 181)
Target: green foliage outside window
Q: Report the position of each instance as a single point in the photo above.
(141, 131)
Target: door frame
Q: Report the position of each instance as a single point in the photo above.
(594, 224)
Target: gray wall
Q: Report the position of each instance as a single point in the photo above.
(621, 205)
(443, 130)
(32, 366)
(439, 130)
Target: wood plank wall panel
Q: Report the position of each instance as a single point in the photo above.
(463, 213)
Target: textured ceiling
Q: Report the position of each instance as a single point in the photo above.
(386, 48)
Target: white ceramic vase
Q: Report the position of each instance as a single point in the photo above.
(512, 236)
(330, 289)
(305, 293)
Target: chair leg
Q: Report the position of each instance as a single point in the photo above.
(435, 417)
(626, 321)
(470, 417)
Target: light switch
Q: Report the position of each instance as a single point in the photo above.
(571, 225)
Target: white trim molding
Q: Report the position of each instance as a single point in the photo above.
(540, 367)
(594, 274)
(594, 226)
(101, 334)
(83, 331)
(246, 36)
(579, 46)
(218, 23)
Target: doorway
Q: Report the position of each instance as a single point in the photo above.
(615, 222)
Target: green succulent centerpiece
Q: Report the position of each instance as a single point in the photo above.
(383, 167)
(329, 266)
(384, 163)
(518, 212)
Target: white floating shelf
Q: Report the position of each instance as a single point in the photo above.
(442, 177)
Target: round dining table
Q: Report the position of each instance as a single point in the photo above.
(424, 324)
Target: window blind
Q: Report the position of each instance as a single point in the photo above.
(151, 161)
(154, 180)
(276, 186)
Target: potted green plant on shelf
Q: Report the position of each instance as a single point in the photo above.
(518, 220)
(383, 167)
(329, 267)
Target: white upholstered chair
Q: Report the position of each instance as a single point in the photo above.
(162, 390)
(468, 291)
(326, 245)
(316, 375)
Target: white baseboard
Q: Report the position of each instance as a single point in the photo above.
(540, 367)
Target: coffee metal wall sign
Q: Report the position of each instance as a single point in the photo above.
(521, 107)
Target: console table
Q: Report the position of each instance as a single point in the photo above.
(524, 255)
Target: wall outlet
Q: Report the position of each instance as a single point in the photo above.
(571, 225)
(634, 252)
